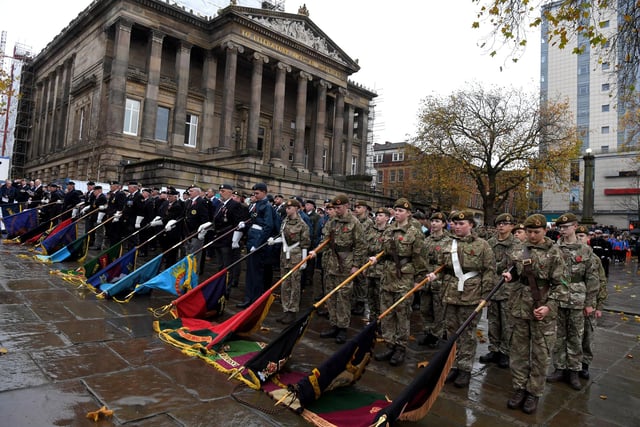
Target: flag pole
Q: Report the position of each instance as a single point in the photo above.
(49, 220)
(413, 290)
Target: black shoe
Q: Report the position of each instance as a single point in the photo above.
(491, 357)
(358, 310)
(530, 404)
(584, 373)
(557, 376)
(415, 307)
(463, 379)
(517, 399)
(244, 304)
(398, 356)
(287, 318)
(429, 340)
(386, 354)
(329, 333)
(574, 381)
(503, 360)
(323, 312)
(341, 336)
(451, 376)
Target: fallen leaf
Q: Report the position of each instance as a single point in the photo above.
(423, 364)
(629, 356)
(95, 415)
(603, 396)
(3, 351)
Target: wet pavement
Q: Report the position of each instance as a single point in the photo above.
(68, 353)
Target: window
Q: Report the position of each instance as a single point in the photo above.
(605, 87)
(131, 117)
(291, 142)
(604, 129)
(162, 124)
(191, 130)
(400, 175)
(575, 171)
(81, 124)
(392, 176)
(293, 124)
(605, 66)
(380, 176)
(398, 156)
(605, 108)
(324, 160)
(583, 89)
(261, 131)
(377, 158)
(354, 165)
(604, 24)
(604, 148)
(291, 157)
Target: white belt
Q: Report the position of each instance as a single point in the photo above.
(457, 269)
(256, 227)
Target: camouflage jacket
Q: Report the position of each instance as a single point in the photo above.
(584, 280)
(373, 236)
(295, 230)
(551, 275)
(603, 293)
(403, 253)
(501, 250)
(347, 247)
(474, 254)
(433, 246)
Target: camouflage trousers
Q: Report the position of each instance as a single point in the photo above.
(454, 316)
(432, 310)
(395, 325)
(567, 353)
(290, 288)
(588, 338)
(339, 304)
(531, 344)
(373, 295)
(499, 326)
(359, 290)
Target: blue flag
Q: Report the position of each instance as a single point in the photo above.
(9, 209)
(74, 251)
(112, 272)
(62, 238)
(177, 279)
(19, 223)
(131, 280)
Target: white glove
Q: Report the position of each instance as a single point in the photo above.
(100, 217)
(116, 216)
(241, 225)
(202, 234)
(102, 207)
(85, 210)
(271, 241)
(155, 222)
(74, 213)
(304, 255)
(235, 240)
(138, 221)
(79, 205)
(44, 201)
(170, 225)
(204, 227)
(253, 248)
(60, 202)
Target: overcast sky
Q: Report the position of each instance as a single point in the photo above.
(407, 50)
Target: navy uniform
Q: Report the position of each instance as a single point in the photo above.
(171, 209)
(98, 203)
(197, 213)
(117, 200)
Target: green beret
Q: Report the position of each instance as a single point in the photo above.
(565, 218)
(535, 221)
(518, 226)
(363, 203)
(504, 217)
(462, 215)
(340, 199)
(402, 203)
(382, 211)
(582, 229)
(292, 202)
(438, 215)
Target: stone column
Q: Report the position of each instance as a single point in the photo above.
(321, 114)
(256, 98)
(348, 149)
(65, 93)
(362, 164)
(51, 110)
(228, 94)
(209, 73)
(37, 146)
(183, 57)
(154, 61)
(278, 114)
(118, 80)
(338, 131)
(301, 116)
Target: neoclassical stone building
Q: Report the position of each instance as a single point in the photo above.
(145, 90)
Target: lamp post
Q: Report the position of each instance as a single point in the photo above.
(587, 199)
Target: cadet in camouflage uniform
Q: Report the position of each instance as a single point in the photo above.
(343, 256)
(359, 297)
(533, 311)
(469, 274)
(374, 274)
(295, 239)
(431, 305)
(583, 288)
(519, 232)
(582, 233)
(403, 267)
(497, 313)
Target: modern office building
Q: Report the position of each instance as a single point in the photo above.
(589, 83)
(152, 91)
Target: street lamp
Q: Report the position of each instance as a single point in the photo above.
(587, 199)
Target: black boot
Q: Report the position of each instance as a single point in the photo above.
(517, 399)
(386, 353)
(463, 379)
(530, 404)
(429, 340)
(329, 333)
(558, 375)
(503, 360)
(358, 308)
(341, 336)
(398, 356)
(490, 357)
(451, 376)
(574, 381)
(584, 373)
(287, 318)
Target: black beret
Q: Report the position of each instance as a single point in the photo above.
(98, 187)
(114, 182)
(261, 186)
(311, 202)
(91, 183)
(225, 187)
(71, 183)
(172, 192)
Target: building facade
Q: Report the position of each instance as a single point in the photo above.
(589, 84)
(146, 90)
